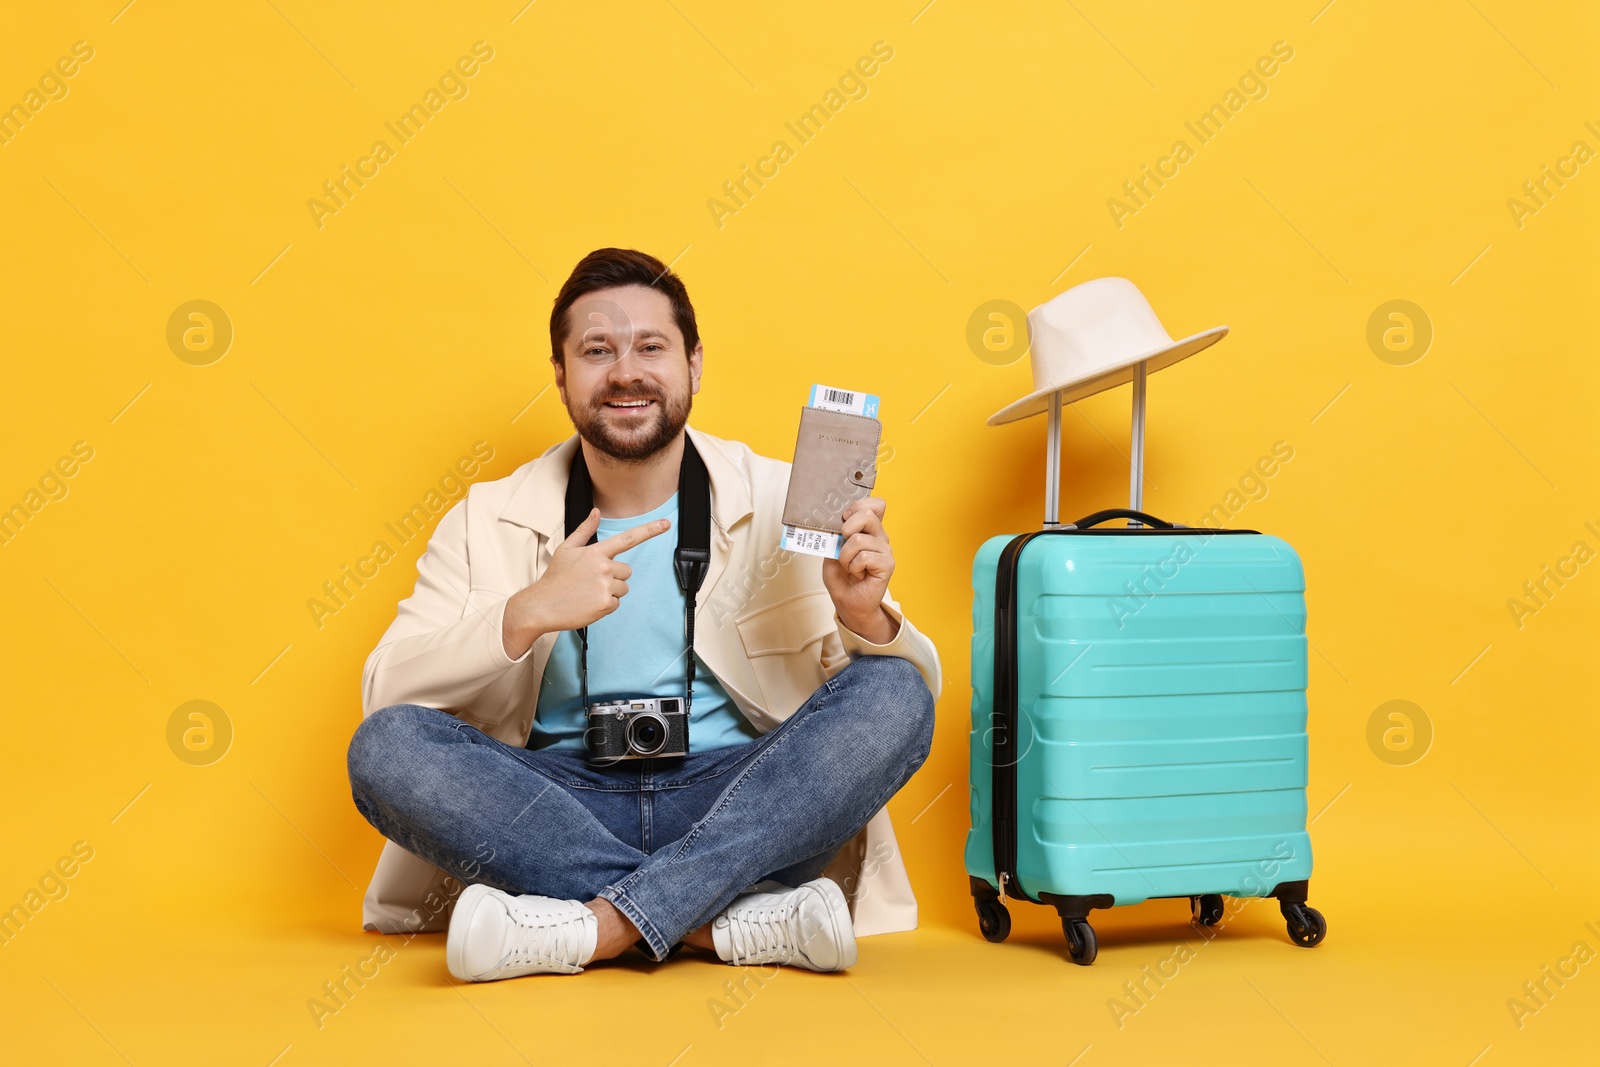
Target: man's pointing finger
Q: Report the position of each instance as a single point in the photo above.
(628, 538)
(580, 534)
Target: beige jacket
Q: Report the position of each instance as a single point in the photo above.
(764, 625)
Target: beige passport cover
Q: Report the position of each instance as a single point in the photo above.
(835, 462)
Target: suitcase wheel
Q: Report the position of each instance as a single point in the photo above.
(1306, 925)
(994, 921)
(1207, 909)
(1081, 943)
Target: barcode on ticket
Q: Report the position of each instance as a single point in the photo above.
(811, 542)
(846, 400)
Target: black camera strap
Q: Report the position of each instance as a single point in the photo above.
(691, 560)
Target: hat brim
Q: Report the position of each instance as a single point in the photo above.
(1038, 401)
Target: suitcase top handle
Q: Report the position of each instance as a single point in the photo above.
(1122, 513)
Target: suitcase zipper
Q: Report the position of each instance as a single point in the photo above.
(1003, 791)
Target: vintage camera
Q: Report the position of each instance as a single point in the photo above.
(637, 728)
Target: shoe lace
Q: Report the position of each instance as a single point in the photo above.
(764, 934)
(548, 940)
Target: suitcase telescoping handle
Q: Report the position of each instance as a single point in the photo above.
(1052, 467)
(1124, 513)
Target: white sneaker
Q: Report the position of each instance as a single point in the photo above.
(807, 927)
(496, 935)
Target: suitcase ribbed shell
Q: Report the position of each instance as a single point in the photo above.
(1161, 696)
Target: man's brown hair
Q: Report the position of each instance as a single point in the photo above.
(607, 268)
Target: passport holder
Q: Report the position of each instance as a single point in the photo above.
(835, 462)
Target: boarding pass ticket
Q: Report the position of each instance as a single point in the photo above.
(821, 542)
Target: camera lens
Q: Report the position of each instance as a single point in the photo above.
(647, 734)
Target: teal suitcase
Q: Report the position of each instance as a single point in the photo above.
(1138, 723)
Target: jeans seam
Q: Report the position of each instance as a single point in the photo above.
(625, 904)
(620, 890)
(512, 752)
(694, 834)
(883, 799)
(646, 810)
(704, 776)
(652, 935)
(879, 805)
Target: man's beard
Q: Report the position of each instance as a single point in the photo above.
(656, 431)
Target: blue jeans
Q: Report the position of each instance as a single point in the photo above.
(669, 841)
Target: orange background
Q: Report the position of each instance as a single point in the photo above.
(371, 352)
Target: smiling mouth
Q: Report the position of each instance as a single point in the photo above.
(629, 405)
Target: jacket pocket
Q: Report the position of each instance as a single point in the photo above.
(783, 642)
(787, 626)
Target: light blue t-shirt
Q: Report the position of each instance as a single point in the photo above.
(637, 650)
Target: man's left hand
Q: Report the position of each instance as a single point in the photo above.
(859, 578)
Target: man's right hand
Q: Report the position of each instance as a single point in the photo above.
(582, 583)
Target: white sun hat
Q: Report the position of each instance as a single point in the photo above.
(1092, 337)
